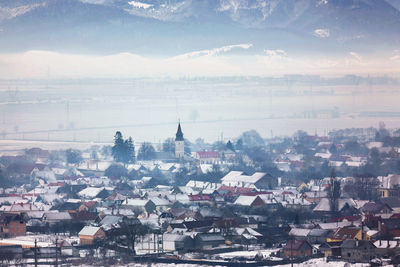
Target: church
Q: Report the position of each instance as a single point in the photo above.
(179, 143)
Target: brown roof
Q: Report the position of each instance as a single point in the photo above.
(296, 244)
(346, 233)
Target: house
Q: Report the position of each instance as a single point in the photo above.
(142, 205)
(258, 180)
(228, 155)
(318, 236)
(83, 217)
(246, 236)
(208, 240)
(344, 205)
(249, 201)
(357, 250)
(348, 233)
(371, 208)
(161, 204)
(56, 217)
(177, 242)
(389, 186)
(299, 233)
(12, 225)
(296, 249)
(200, 198)
(391, 227)
(94, 192)
(110, 222)
(90, 235)
(387, 247)
(115, 199)
(208, 157)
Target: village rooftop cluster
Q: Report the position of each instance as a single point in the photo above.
(260, 201)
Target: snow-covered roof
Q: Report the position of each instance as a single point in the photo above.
(334, 225)
(386, 244)
(202, 184)
(136, 202)
(325, 205)
(233, 178)
(90, 192)
(160, 201)
(57, 216)
(245, 200)
(299, 232)
(89, 230)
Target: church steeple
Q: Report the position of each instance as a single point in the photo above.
(179, 134)
(179, 143)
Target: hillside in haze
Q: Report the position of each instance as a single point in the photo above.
(178, 26)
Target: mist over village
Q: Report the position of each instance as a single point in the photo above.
(199, 133)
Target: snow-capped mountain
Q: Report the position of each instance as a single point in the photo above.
(176, 26)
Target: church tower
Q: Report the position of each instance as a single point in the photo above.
(179, 143)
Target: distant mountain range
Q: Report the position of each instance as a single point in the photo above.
(171, 27)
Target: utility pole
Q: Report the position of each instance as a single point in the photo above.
(56, 252)
(291, 252)
(35, 251)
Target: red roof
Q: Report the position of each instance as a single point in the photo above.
(208, 154)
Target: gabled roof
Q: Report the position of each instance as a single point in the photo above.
(116, 196)
(210, 237)
(236, 179)
(296, 244)
(110, 220)
(57, 216)
(160, 201)
(352, 244)
(346, 233)
(372, 207)
(91, 192)
(246, 200)
(299, 232)
(137, 202)
(89, 230)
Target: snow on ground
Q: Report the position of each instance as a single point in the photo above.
(322, 262)
(248, 254)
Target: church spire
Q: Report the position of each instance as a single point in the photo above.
(179, 134)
